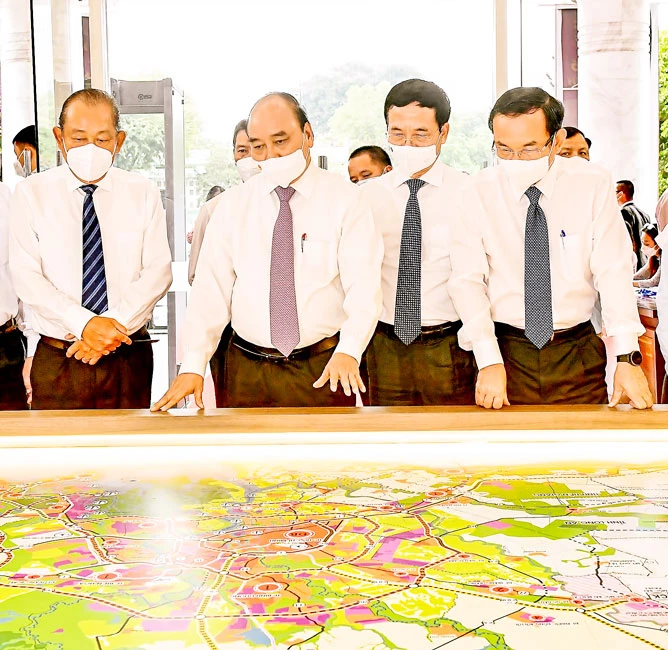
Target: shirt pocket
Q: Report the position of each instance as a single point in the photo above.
(437, 247)
(128, 254)
(318, 262)
(572, 257)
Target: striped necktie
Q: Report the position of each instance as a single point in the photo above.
(94, 280)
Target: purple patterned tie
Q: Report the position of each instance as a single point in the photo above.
(284, 321)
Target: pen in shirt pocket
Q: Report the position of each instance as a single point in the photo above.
(562, 234)
(303, 240)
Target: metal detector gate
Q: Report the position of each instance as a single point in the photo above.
(145, 97)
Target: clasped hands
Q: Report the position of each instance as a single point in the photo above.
(100, 337)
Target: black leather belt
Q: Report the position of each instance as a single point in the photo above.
(9, 326)
(559, 335)
(139, 336)
(428, 332)
(271, 354)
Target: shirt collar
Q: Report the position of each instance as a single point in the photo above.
(303, 186)
(73, 183)
(434, 176)
(624, 205)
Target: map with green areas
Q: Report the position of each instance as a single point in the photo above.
(337, 556)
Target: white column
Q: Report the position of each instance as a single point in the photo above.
(16, 80)
(616, 101)
(99, 59)
(62, 64)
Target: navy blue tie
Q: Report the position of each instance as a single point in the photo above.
(407, 308)
(94, 279)
(538, 323)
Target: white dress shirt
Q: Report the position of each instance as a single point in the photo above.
(46, 249)
(589, 255)
(662, 299)
(10, 305)
(338, 255)
(199, 229)
(439, 203)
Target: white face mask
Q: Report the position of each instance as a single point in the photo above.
(18, 168)
(285, 169)
(649, 251)
(525, 173)
(410, 160)
(90, 162)
(247, 167)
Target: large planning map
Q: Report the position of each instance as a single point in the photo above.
(339, 555)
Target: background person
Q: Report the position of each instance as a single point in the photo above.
(649, 275)
(368, 162)
(25, 140)
(633, 216)
(576, 144)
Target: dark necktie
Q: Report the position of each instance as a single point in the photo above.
(94, 280)
(538, 324)
(407, 313)
(284, 322)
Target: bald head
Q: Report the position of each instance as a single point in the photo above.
(278, 126)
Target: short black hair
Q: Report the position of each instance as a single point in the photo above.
(214, 191)
(27, 135)
(377, 154)
(651, 230)
(420, 92)
(92, 96)
(572, 131)
(300, 112)
(627, 187)
(523, 101)
(242, 125)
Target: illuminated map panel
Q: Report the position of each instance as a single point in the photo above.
(412, 547)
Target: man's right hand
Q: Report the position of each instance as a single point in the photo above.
(490, 389)
(105, 334)
(186, 384)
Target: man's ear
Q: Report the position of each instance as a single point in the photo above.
(310, 138)
(559, 139)
(445, 131)
(120, 139)
(58, 135)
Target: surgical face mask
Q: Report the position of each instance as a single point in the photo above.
(90, 162)
(285, 169)
(649, 251)
(247, 167)
(410, 160)
(525, 173)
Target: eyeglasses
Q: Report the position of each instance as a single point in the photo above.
(529, 153)
(420, 139)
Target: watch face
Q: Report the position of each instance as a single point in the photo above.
(636, 358)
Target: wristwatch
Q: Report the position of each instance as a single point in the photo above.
(634, 358)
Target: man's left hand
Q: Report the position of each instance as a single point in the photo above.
(83, 352)
(631, 381)
(27, 367)
(342, 368)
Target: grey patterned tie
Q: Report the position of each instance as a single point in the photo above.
(407, 312)
(284, 322)
(538, 324)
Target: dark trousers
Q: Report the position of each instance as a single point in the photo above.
(217, 363)
(121, 380)
(252, 381)
(433, 371)
(570, 369)
(12, 357)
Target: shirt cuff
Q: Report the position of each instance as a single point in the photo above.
(487, 353)
(624, 344)
(76, 318)
(194, 363)
(346, 346)
(33, 340)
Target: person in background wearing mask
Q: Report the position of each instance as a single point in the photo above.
(540, 236)
(576, 145)
(413, 358)
(25, 141)
(293, 261)
(633, 216)
(89, 256)
(15, 360)
(649, 275)
(368, 162)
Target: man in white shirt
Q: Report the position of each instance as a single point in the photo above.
(414, 358)
(292, 259)
(89, 255)
(540, 236)
(14, 365)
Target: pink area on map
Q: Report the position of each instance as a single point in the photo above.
(165, 625)
(62, 562)
(125, 527)
(359, 529)
(499, 525)
(85, 572)
(58, 631)
(99, 607)
(256, 609)
(499, 484)
(239, 624)
(79, 504)
(300, 622)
